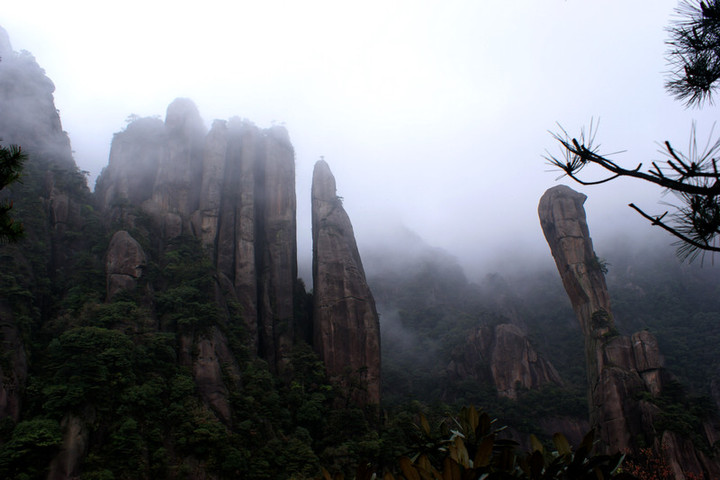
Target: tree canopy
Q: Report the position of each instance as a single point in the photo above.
(11, 163)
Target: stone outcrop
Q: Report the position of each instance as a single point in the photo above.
(176, 190)
(135, 154)
(234, 188)
(613, 380)
(29, 117)
(345, 321)
(211, 356)
(621, 370)
(66, 463)
(503, 355)
(125, 263)
(277, 257)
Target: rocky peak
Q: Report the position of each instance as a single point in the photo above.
(620, 369)
(503, 355)
(182, 119)
(234, 188)
(345, 322)
(562, 218)
(176, 191)
(135, 154)
(29, 117)
(608, 357)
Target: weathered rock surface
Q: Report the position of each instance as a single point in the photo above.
(234, 188)
(135, 154)
(346, 325)
(562, 218)
(684, 458)
(14, 370)
(503, 355)
(66, 464)
(619, 368)
(178, 179)
(125, 263)
(29, 117)
(515, 363)
(211, 355)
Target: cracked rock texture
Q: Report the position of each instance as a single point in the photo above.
(503, 355)
(621, 370)
(345, 321)
(234, 188)
(612, 378)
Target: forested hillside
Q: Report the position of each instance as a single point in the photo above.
(157, 328)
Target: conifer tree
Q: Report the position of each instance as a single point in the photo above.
(693, 176)
(11, 164)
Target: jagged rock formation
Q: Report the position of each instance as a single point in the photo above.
(234, 188)
(345, 321)
(612, 384)
(28, 118)
(135, 154)
(506, 354)
(620, 369)
(176, 190)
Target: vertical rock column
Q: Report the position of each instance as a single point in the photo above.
(612, 385)
(226, 219)
(346, 327)
(277, 257)
(619, 367)
(177, 190)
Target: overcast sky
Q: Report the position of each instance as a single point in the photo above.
(434, 114)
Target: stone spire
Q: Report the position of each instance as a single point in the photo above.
(346, 326)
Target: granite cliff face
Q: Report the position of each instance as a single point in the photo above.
(234, 189)
(346, 324)
(612, 380)
(169, 186)
(503, 355)
(125, 263)
(620, 369)
(28, 118)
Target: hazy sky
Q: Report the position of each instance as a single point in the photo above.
(431, 112)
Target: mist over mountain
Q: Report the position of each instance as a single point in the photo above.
(162, 325)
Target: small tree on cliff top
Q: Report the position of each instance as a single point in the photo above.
(694, 57)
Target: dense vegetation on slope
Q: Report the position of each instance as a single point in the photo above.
(113, 371)
(428, 307)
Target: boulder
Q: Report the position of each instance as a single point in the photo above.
(504, 356)
(125, 263)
